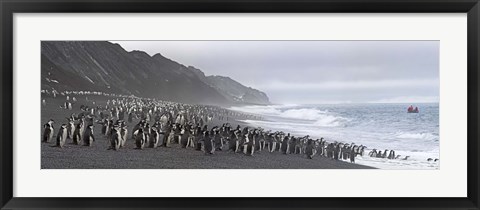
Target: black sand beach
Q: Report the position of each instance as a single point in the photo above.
(99, 157)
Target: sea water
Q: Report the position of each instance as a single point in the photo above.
(377, 126)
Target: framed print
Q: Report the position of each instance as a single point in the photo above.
(245, 105)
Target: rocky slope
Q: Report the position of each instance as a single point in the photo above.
(107, 67)
(236, 91)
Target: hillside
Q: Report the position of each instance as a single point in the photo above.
(107, 67)
(236, 91)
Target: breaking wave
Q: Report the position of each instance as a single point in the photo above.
(420, 136)
(317, 117)
(378, 126)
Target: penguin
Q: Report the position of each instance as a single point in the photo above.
(275, 140)
(161, 133)
(109, 129)
(316, 145)
(361, 150)
(233, 142)
(429, 159)
(329, 150)
(115, 139)
(355, 150)
(398, 156)
(391, 155)
(256, 138)
(242, 140)
(199, 136)
(292, 145)
(178, 119)
(70, 129)
(301, 145)
(170, 138)
(373, 153)
(207, 143)
(88, 137)
(82, 124)
(138, 126)
(178, 133)
(61, 136)
(284, 144)
(217, 139)
(262, 141)
(154, 138)
(165, 132)
(337, 152)
(147, 128)
(436, 159)
(130, 117)
(121, 114)
(77, 134)
(184, 135)
(250, 144)
(321, 147)
(406, 157)
(105, 126)
(123, 135)
(139, 138)
(225, 133)
(146, 131)
(345, 152)
(384, 154)
(191, 137)
(270, 143)
(309, 150)
(48, 131)
(352, 155)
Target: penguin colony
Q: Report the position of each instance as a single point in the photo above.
(162, 124)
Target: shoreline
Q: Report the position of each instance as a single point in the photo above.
(289, 118)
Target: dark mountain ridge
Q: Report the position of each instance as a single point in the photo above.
(107, 67)
(236, 91)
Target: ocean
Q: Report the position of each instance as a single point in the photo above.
(377, 126)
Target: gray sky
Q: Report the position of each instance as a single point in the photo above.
(299, 72)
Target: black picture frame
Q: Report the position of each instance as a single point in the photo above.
(9, 7)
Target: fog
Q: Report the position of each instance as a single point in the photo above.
(315, 72)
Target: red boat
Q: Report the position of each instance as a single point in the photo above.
(412, 110)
